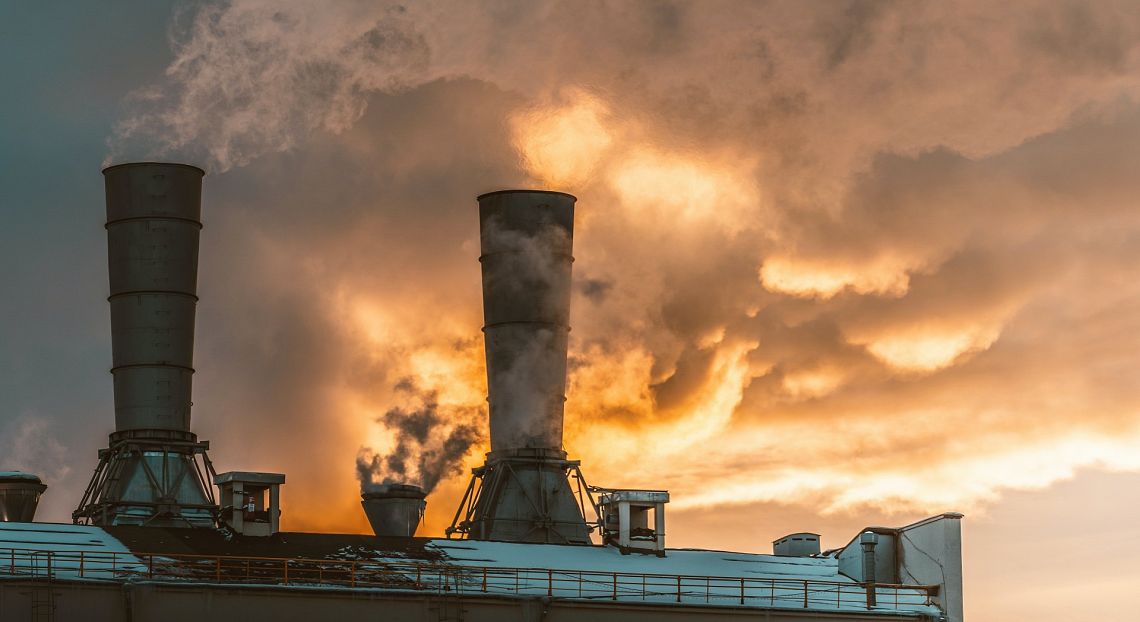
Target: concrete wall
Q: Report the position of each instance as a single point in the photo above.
(168, 602)
(930, 552)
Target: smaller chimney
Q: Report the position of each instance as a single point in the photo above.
(19, 496)
(394, 510)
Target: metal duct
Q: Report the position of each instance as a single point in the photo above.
(19, 496)
(151, 474)
(394, 510)
(527, 241)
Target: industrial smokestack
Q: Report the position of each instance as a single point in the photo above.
(394, 510)
(153, 222)
(150, 473)
(19, 496)
(527, 242)
(522, 493)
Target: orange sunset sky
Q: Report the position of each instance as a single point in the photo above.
(838, 264)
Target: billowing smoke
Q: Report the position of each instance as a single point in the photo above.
(430, 442)
(874, 253)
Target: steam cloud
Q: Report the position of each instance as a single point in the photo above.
(430, 443)
(848, 242)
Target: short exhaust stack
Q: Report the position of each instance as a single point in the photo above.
(19, 496)
(394, 510)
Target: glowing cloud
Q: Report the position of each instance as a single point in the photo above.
(813, 382)
(810, 279)
(928, 351)
(660, 184)
(562, 144)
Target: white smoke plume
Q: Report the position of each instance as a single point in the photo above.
(858, 233)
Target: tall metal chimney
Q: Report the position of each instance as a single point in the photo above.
(522, 493)
(151, 474)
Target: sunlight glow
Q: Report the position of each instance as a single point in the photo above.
(562, 145)
(933, 350)
(807, 279)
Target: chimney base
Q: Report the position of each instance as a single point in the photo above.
(524, 495)
(151, 482)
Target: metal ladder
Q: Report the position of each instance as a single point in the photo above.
(43, 594)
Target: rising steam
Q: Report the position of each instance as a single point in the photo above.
(802, 225)
(430, 442)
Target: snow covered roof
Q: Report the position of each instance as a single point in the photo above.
(693, 562)
(73, 550)
(599, 573)
(692, 576)
(18, 476)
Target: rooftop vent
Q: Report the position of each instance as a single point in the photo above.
(797, 545)
(394, 510)
(19, 496)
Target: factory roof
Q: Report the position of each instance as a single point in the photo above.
(346, 561)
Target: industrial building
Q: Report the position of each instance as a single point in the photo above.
(531, 539)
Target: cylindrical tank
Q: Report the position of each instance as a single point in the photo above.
(527, 239)
(153, 223)
(394, 510)
(19, 496)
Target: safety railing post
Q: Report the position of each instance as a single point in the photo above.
(805, 595)
(81, 563)
(484, 578)
(285, 566)
(678, 588)
(742, 591)
(352, 574)
(614, 597)
(549, 582)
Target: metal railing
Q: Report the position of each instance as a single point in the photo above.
(454, 580)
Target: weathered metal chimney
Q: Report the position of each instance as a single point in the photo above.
(394, 510)
(19, 496)
(151, 473)
(522, 493)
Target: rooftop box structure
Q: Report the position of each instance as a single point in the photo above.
(797, 545)
(627, 515)
(245, 507)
